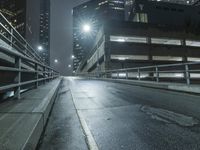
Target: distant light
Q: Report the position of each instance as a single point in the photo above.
(188, 2)
(69, 66)
(122, 74)
(86, 28)
(56, 60)
(73, 56)
(122, 58)
(40, 48)
(179, 75)
(121, 40)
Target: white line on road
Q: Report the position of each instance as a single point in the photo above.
(92, 145)
(89, 137)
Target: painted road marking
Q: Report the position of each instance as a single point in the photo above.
(92, 145)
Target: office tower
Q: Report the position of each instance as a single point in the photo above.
(94, 12)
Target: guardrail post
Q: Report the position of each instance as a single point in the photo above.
(187, 74)
(51, 74)
(17, 78)
(44, 74)
(11, 37)
(138, 73)
(26, 47)
(47, 74)
(126, 75)
(36, 75)
(157, 74)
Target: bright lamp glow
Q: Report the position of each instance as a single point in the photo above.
(40, 48)
(86, 28)
(56, 60)
(73, 56)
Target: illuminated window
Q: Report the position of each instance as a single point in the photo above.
(136, 18)
(143, 18)
(193, 59)
(140, 17)
(165, 41)
(129, 57)
(193, 43)
(128, 39)
(167, 58)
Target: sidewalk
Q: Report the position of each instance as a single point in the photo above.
(64, 131)
(22, 121)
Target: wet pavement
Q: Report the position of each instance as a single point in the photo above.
(122, 117)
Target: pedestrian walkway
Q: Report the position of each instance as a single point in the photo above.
(22, 121)
(64, 131)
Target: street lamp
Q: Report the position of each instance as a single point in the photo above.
(56, 61)
(40, 48)
(73, 56)
(86, 28)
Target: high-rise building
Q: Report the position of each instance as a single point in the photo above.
(15, 12)
(94, 12)
(155, 33)
(163, 13)
(45, 29)
(32, 20)
(184, 2)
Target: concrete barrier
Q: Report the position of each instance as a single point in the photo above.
(23, 121)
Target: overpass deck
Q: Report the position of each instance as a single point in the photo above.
(120, 116)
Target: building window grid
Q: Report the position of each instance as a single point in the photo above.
(154, 40)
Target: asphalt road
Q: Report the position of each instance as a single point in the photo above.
(123, 117)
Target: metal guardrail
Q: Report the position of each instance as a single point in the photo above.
(24, 64)
(188, 73)
(10, 35)
(26, 61)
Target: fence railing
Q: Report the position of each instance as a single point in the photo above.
(24, 69)
(12, 37)
(188, 73)
(35, 71)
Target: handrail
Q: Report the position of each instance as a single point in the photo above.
(26, 62)
(14, 38)
(181, 71)
(40, 71)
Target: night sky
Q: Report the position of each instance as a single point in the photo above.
(61, 34)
